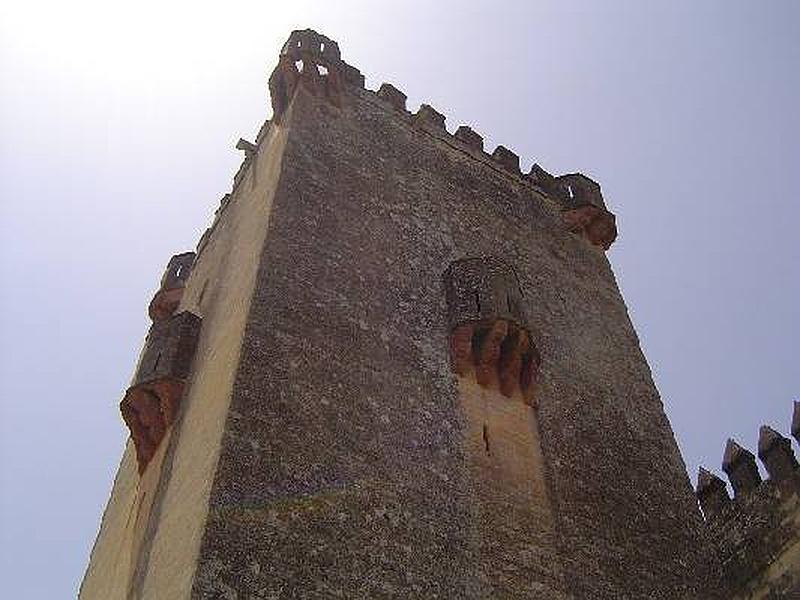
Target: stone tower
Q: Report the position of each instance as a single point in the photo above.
(397, 366)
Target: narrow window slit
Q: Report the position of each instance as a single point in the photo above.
(486, 440)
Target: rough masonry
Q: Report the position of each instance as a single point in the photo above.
(415, 378)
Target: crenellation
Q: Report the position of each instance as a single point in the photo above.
(712, 493)
(469, 137)
(541, 178)
(352, 76)
(393, 96)
(427, 116)
(775, 451)
(241, 172)
(578, 196)
(250, 151)
(506, 158)
(576, 190)
(740, 466)
(756, 535)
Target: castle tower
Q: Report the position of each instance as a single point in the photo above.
(398, 366)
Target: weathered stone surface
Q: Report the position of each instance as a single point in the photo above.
(712, 493)
(483, 288)
(326, 448)
(427, 116)
(344, 403)
(506, 158)
(393, 96)
(740, 466)
(775, 451)
(469, 137)
(756, 536)
(757, 539)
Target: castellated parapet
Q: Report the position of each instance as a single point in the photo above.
(415, 377)
(756, 534)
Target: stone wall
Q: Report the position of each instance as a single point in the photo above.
(346, 468)
(757, 533)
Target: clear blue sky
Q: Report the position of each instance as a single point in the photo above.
(117, 133)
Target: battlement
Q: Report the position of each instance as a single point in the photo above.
(757, 532)
(313, 61)
(408, 381)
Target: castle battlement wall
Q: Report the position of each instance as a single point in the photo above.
(578, 197)
(756, 534)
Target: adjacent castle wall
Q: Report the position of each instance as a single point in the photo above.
(345, 463)
(758, 541)
(756, 534)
